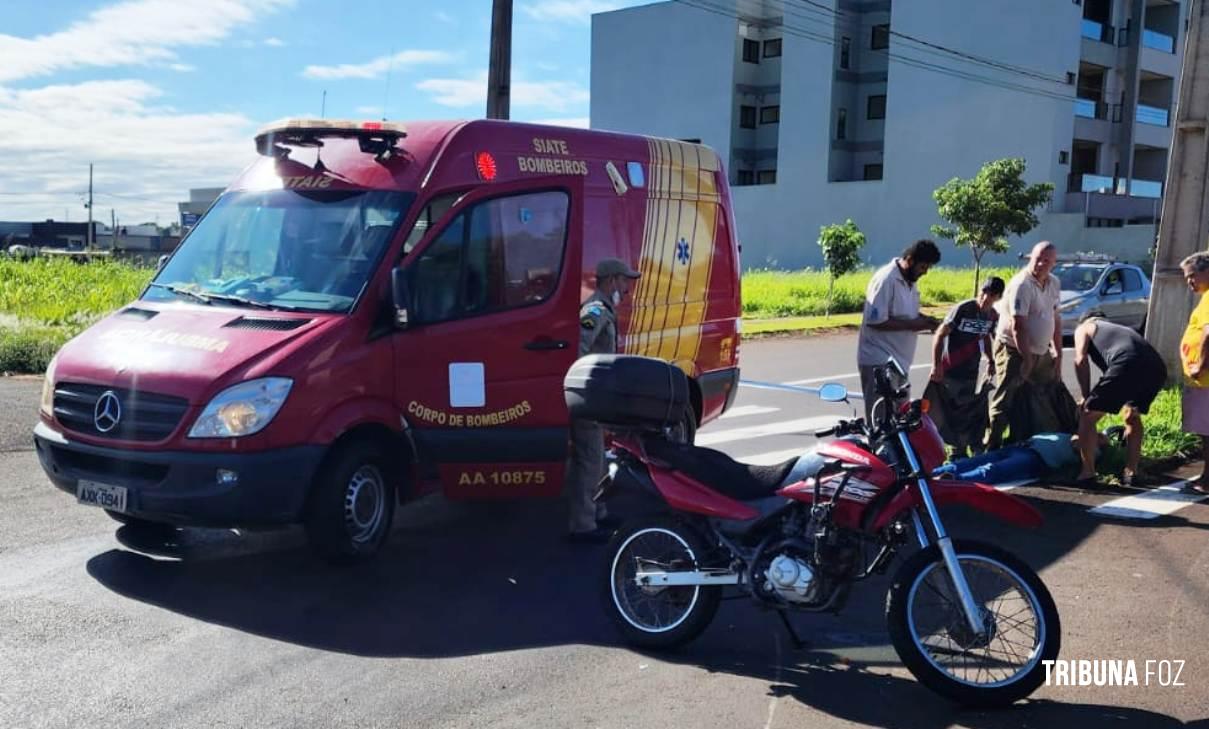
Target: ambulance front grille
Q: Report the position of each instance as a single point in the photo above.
(140, 415)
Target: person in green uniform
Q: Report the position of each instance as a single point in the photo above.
(597, 335)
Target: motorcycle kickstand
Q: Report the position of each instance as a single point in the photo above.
(798, 643)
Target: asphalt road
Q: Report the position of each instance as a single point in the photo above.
(481, 616)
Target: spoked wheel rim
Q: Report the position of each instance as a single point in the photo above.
(1014, 629)
(653, 609)
(364, 503)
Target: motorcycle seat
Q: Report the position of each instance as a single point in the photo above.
(720, 472)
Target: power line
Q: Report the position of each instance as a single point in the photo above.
(974, 58)
(919, 63)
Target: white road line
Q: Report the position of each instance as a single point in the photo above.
(801, 425)
(850, 375)
(1151, 504)
(746, 410)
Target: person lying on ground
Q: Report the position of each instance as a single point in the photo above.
(1043, 454)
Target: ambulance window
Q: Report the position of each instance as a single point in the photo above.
(429, 217)
(499, 254)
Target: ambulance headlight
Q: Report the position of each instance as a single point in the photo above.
(242, 409)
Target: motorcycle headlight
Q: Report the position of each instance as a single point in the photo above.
(48, 388)
(242, 409)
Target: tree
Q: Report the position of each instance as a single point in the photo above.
(841, 246)
(982, 211)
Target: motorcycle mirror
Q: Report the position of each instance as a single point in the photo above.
(833, 392)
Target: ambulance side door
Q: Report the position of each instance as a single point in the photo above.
(492, 330)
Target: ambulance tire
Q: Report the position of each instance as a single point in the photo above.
(352, 503)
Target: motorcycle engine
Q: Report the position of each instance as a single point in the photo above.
(791, 578)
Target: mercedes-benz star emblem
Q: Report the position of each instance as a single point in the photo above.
(108, 412)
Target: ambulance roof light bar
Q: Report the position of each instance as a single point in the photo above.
(374, 137)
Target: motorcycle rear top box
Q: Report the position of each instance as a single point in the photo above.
(626, 391)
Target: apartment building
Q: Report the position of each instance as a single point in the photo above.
(826, 110)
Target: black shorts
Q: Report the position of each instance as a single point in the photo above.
(1136, 384)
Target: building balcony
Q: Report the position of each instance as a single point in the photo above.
(1127, 209)
(1099, 32)
(1158, 41)
(1159, 116)
(1102, 185)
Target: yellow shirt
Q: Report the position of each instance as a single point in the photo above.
(1192, 346)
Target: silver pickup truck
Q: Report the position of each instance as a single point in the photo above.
(1119, 292)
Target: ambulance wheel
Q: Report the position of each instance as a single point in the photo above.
(352, 503)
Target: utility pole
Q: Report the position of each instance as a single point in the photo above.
(89, 206)
(113, 229)
(499, 73)
(1184, 228)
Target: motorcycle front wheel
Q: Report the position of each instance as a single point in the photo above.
(996, 666)
(650, 616)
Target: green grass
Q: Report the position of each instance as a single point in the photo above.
(1165, 439)
(771, 294)
(44, 302)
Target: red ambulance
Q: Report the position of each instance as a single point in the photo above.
(372, 312)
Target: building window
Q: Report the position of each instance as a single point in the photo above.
(766, 177)
(746, 177)
(747, 117)
(772, 48)
(1063, 157)
(751, 51)
(877, 107)
(770, 114)
(873, 172)
(841, 124)
(845, 52)
(880, 38)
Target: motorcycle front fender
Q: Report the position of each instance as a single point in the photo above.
(986, 499)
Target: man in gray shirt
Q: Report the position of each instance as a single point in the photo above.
(891, 321)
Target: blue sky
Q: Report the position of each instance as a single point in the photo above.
(164, 95)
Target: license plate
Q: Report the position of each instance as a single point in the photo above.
(103, 495)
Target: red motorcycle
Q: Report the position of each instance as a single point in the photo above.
(971, 621)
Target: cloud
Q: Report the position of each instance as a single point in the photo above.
(146, 157)
(182, 67)
(379, 66)
(136, 32)
(445, 17)
(578, 12)
(274, 42)
(551, 95)
(578, 122)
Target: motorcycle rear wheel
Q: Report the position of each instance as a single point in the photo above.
(664, 617)
(929, 630)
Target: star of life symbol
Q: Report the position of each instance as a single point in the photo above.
(107, 412)
(682, 252)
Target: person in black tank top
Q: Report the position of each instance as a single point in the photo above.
(1133, 375)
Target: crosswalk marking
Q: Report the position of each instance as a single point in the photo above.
(1150, 504)
(801, 425)
(747, 410)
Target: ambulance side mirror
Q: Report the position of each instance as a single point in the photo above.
(401, 296)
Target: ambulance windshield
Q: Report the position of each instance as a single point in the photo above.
(284, 249)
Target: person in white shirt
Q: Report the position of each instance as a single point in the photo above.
(891, 321)
(1028, 340)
